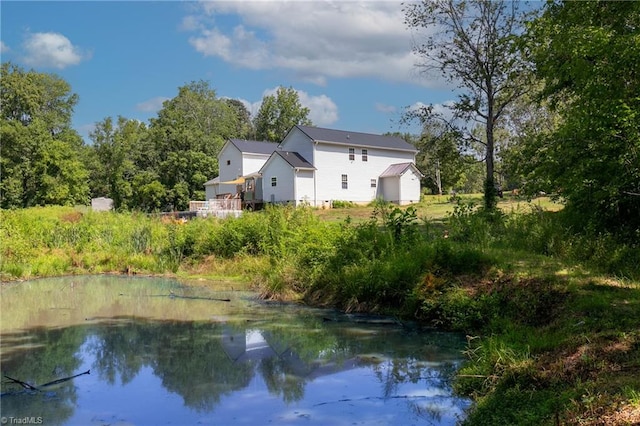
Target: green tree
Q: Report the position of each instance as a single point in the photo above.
(472, 44)
(439, 157)
(588, 54)
(117, 152)
(278, 114)
(148, 192)
(244, 129)
(187, 136)
(526, 121)
(41, 160)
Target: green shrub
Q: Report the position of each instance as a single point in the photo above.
(340, 204)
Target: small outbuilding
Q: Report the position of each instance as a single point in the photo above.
(101, 204)
(401, 183)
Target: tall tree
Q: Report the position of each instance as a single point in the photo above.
(438, 157)
(117, 151)
(244, 128)
(472, 44)
(588, 54)
(41, 158)
(188, 134)
(279, 113)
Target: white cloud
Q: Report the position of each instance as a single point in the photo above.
(51, 50)
(314, 40)
(151, 105)
(387, 109)
(322, 110)
(3, 47)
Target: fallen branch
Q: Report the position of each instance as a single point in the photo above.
(39, 388)
(21, 383)
(55, 382)
(175, 296)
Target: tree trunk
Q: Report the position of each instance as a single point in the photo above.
(490, 192)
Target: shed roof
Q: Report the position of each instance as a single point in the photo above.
(399, 169)
(254, 147)
(343, 137)
(214, 181)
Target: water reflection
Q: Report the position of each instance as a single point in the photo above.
(158, 358)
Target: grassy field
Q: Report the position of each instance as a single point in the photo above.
(437, 207)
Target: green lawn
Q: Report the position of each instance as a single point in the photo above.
(436, 207)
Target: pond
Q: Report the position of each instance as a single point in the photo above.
(108, 350)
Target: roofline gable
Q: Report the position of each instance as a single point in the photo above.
(360, 139)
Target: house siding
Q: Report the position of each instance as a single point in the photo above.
(298, 142)
(251, 163)
(210, 192)
(332, 161)
(283, 172)
(409, 188)
(391, 188)
(230, 153)
(305, 188)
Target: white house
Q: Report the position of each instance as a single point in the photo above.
(318, 166)
(236, 159)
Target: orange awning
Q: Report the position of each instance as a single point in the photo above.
(238, 181)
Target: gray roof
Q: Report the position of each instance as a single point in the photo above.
(356, 138)
(399, 170)
(254, 147)
(295, 160)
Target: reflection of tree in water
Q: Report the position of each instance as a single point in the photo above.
(118, 351)
(187, 356)
(202, 361)
(40, 363)
(280, 382)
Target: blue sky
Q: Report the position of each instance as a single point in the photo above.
(351, 62)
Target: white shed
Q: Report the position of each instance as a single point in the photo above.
(401, 183)
(101, 204)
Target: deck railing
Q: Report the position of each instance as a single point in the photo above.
(220, 207)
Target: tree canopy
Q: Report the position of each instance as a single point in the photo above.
(588, 55)
(41, 159)
(186, 137)
(278, 114)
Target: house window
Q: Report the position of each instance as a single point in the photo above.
(345, 183)
(365, 155)
(352, 154)
(228, 162)
(274, 181)
(374, 183)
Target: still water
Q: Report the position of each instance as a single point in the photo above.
(149, 351)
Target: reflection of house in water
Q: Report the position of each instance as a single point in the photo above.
(256, 345)
(247, 345)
